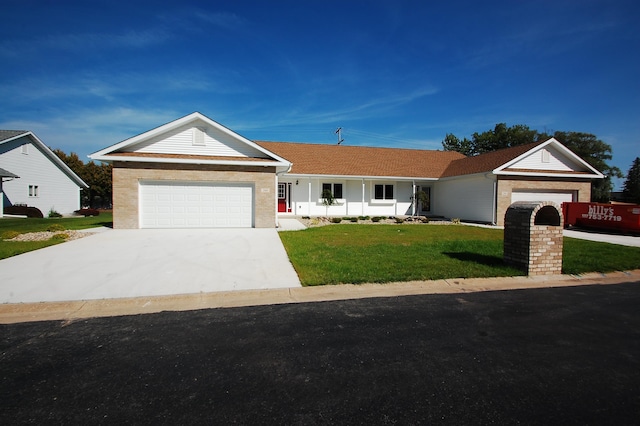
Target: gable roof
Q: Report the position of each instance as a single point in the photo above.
(345, 160)
(10, 135)
(500, 162)
(144, 147)
(6, 173)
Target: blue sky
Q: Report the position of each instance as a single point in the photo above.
(85, 75)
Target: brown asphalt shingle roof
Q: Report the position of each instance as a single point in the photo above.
(345, 160)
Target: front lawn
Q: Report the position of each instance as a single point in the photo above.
(23, 226)
(385, 253)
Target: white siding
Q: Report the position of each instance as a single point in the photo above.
(557, 161)
(55, 189)
(468, 198)
(352, 204)
(181, 141)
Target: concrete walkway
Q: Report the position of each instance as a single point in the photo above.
(148, 262)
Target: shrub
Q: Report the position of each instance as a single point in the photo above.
(425, 220)
(87, 212)
(56, 227)
(376, 219)
(455, 220)
(353, 219)
(364, 217)
(23, 210)
(336, 219)
(399, 220)
(9, 235)
(53, 213)
(59, 237)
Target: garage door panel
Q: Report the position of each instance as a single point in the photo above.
(195, 205)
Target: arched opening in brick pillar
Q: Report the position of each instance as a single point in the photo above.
(547, 215)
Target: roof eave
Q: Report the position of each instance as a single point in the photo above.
(122, 158)
(327, 176)
(542, 174)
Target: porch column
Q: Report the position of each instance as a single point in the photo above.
(309, 203)
(413, 199)
(363, 197)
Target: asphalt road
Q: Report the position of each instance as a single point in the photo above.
(544, 356)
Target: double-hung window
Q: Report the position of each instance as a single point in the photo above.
(33, 190)
(383, 192)
(335, 188)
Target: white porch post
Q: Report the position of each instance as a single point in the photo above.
(413, 199)
(309, 196)
(363, 197)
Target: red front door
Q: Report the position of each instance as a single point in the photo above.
(282, 198)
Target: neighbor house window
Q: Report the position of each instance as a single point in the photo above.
(383, 192)
(33, 190)
(335, 188)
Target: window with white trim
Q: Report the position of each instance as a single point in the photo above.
(33, 190)
(335, 188)
(383, 192)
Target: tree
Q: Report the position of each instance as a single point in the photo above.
(98, 177)
(631, 187)
(596, 153)
(587, 146)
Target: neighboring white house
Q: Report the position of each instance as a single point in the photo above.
(194, 172)
(43, 180)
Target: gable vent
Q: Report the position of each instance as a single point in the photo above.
(546, 157)
(198, 135)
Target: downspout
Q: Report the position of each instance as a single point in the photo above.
(278, 174)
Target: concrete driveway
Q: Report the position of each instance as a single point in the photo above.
(148, 262)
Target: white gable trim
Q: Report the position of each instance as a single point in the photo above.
(563, 149)
(103, 155)
(51, 155)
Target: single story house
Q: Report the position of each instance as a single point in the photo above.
(35, 176)
(194, 172)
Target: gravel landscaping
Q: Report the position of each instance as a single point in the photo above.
(47, 235)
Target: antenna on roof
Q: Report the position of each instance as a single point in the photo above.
(339, 133)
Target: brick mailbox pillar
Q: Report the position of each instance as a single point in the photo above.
(533, 237)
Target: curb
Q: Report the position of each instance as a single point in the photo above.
(76, 310)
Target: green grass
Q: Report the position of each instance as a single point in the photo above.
(12, 248)
(372, 253)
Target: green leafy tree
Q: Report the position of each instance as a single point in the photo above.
(586, 145)
(597, 153)
(631, 188)
(98, 177)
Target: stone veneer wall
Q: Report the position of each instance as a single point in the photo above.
(507, 185)
(127, 175)
(534, 246)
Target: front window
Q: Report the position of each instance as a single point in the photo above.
(334, 188)
(383, 192)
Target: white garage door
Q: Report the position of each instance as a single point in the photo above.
(557, 197)
(195, 205)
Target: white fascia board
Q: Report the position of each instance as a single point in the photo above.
(175, 124)
(550, 175)
(560, 147)
(108, 159)
(52, 156)
(352, 177)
